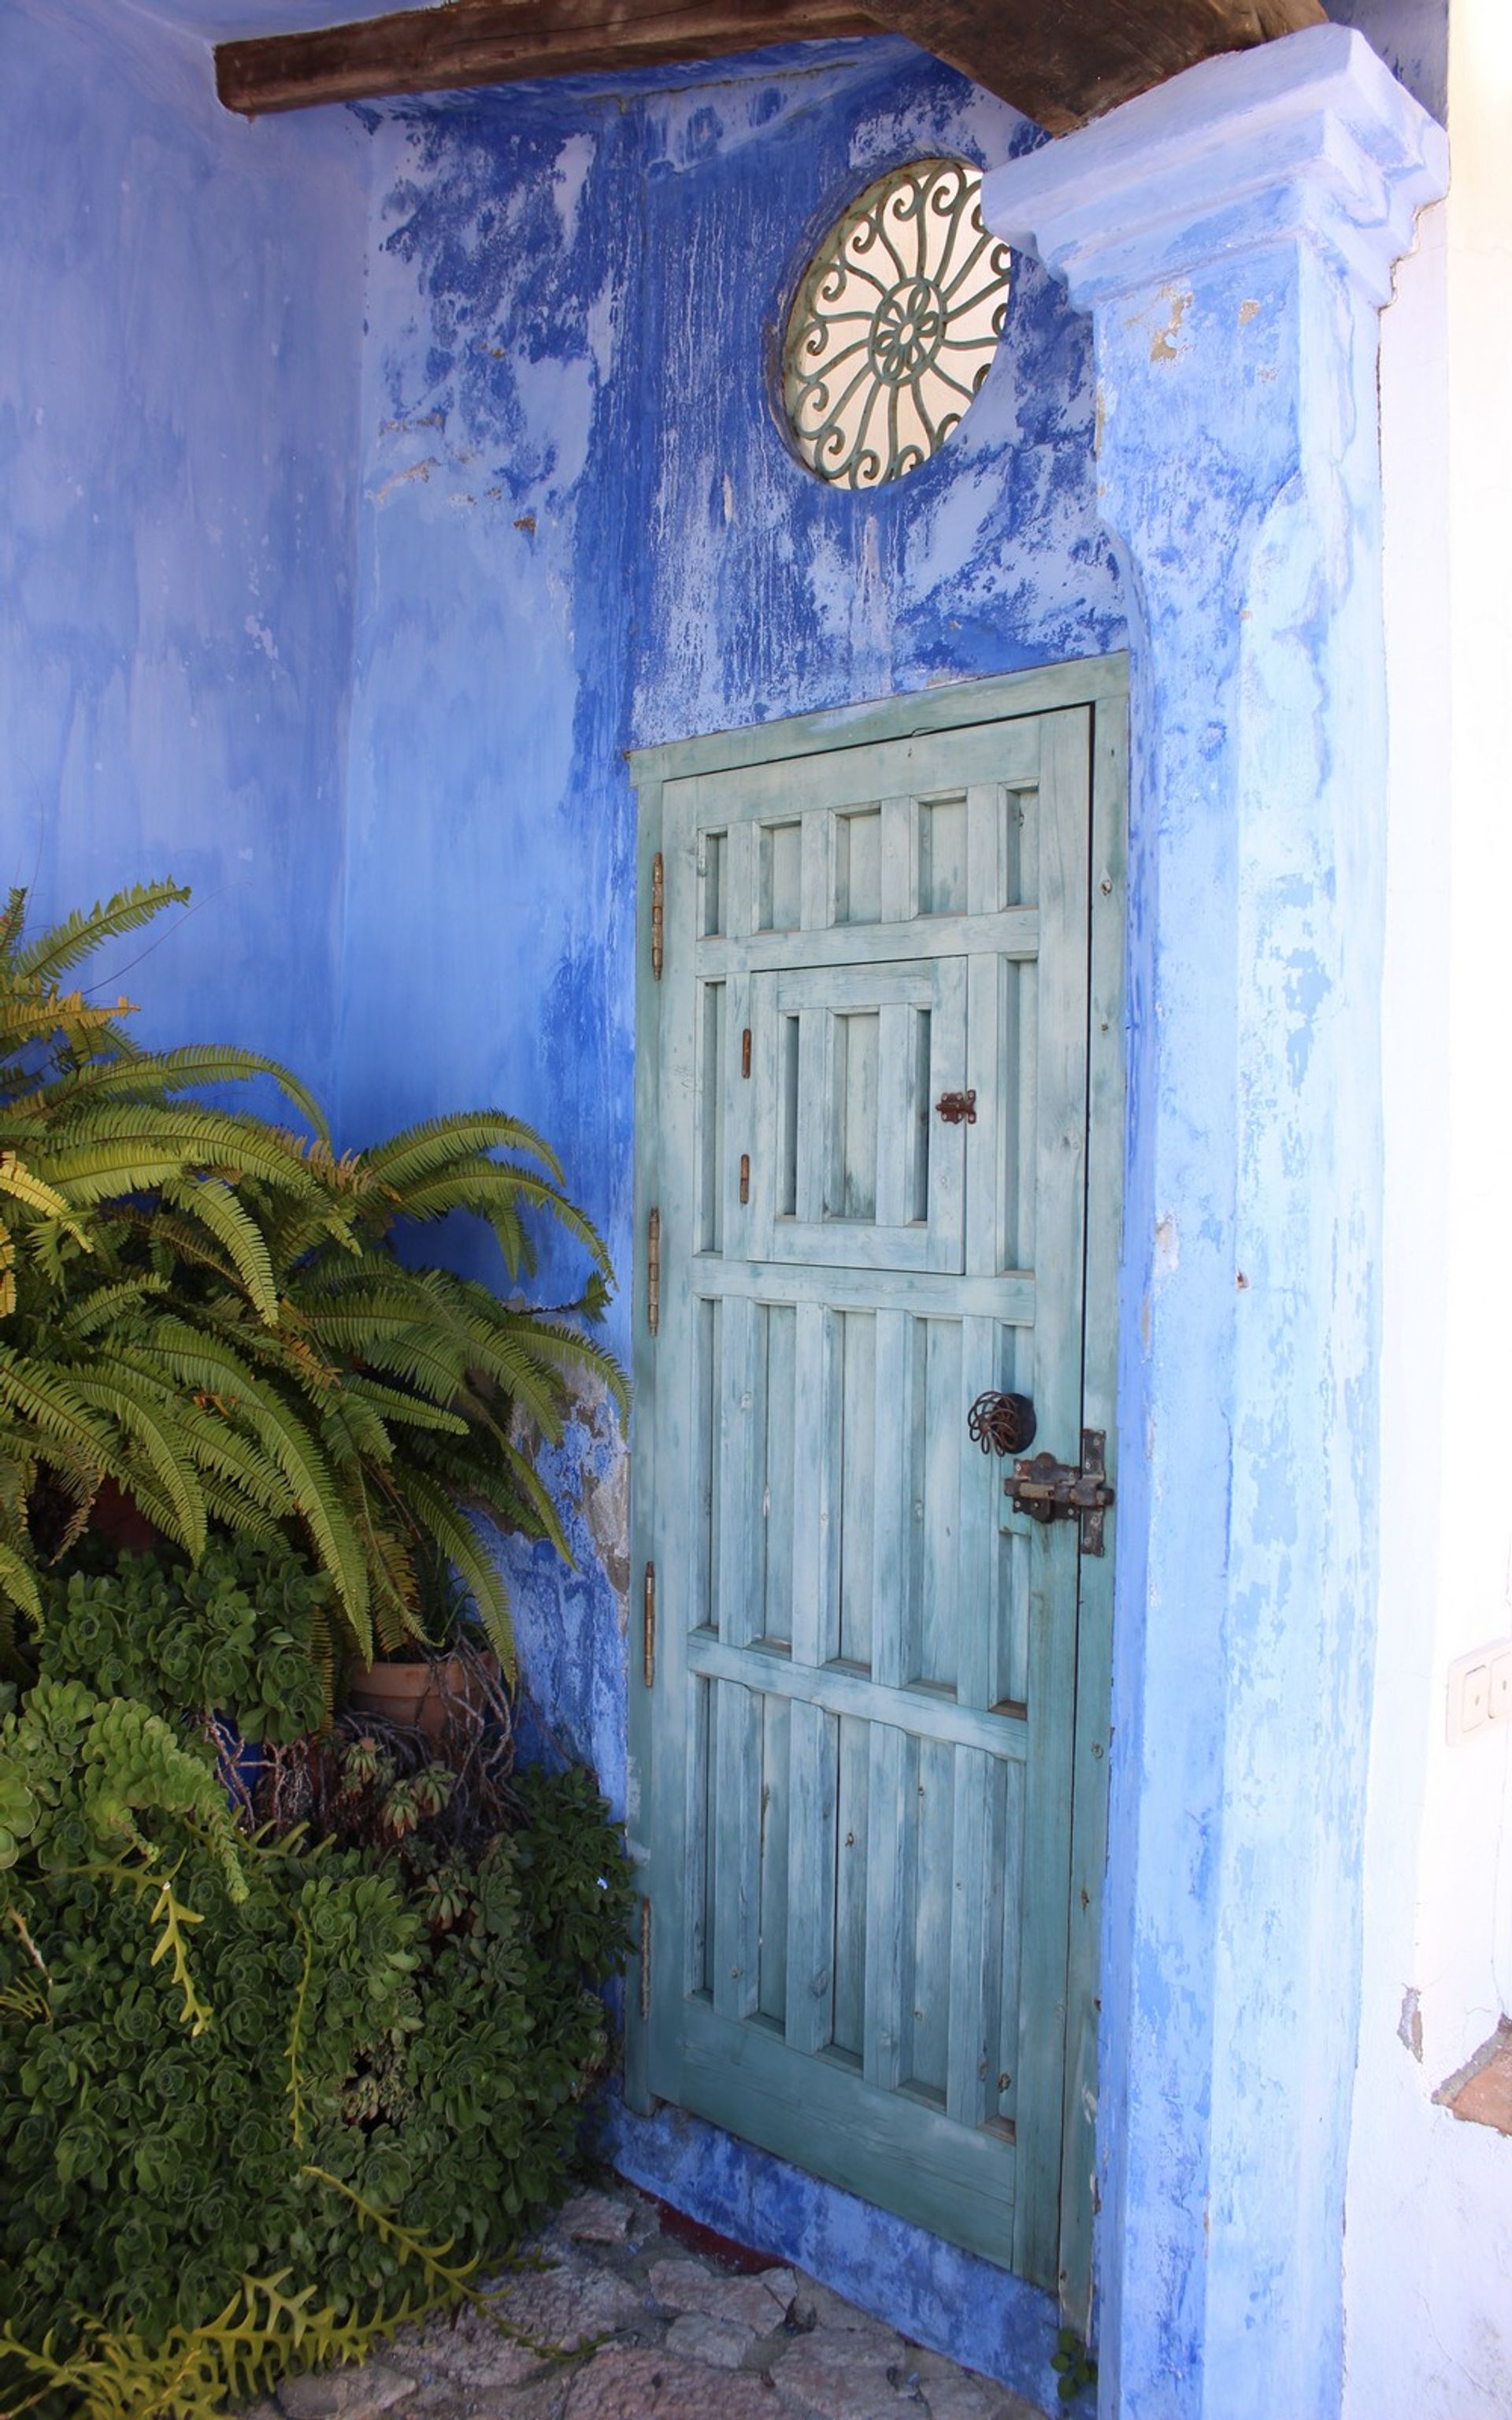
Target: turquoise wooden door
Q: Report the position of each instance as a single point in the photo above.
(870, 1693)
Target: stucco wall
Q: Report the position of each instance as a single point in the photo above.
(542, 512)
(1411, 36)
(181, 301)
(581, 530)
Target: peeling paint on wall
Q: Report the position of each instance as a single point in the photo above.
(585, 530)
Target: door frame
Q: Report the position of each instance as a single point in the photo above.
(1102, 685)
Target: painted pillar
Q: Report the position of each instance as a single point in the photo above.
(1233, 234)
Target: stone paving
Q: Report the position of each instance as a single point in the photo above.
(662, 2333)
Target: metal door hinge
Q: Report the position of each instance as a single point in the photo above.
(654, 1272)
(745, 1054)
(648, 1633)
(744, 1176)
(645, 1960)
(658, 914)
(1049, 1490)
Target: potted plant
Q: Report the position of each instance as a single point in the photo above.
(209, 1312)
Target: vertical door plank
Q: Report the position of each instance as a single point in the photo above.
(711, 1109)
(698, 1896)
(816, 1446)
(942, 857)
(1106, 1149)
(848, 2025)
(986, 830)
(816, 1113)
(737, 1764)
(928, 2028)
(949, 1145)
(1060, 1193)
(738, 1138)
(858, 1406)
(895, 1125)
(897, 871)
(975, 1936)
(852, 1191)
(943, 1435)
(776, 1809)
(738, 1381)
(813, 1771)
(986, 1227)
(892, 1807)
(776, 1506)
(742, 906)
(817, 893)
(981, 1498)
(893, 1517)
(1010, 1994)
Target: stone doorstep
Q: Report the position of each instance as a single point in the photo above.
(758, 2303)
(680, 2336)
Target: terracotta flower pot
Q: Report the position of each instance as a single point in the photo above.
(413, 1697)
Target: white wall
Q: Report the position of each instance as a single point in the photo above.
(1429, 2246)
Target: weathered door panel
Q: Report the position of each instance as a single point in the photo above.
(857, 1757)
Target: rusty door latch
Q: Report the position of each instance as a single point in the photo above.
(1049, 1490)
(957, 1109)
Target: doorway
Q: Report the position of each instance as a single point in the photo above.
(880, 1142)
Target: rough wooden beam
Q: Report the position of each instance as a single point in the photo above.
(503, 41)
(1059, 61)
(1063, 61)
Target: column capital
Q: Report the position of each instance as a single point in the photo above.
(1309, 138)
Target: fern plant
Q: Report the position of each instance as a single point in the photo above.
(209, 1311)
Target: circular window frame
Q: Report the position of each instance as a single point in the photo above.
(894, 327)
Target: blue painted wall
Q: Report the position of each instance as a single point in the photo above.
(1412, 37)
(180, 298)
(582, 530)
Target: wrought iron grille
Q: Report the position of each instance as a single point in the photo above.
(895, 324)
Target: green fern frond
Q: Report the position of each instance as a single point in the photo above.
(485, 1187)
(399, 1343)
(579, 1355)
(39, 1396)
(422, 1151)
(135, 1146)
(212, 1368)
(459, 1542)
(106, 1307)
(414, 1410)
(78, 935)
(16, 1181)
(161, 1443)
(17, 1585)
(211, 1200)
(156, 1073)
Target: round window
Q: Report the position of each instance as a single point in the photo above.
(894, 325)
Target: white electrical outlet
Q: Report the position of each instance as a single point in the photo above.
(1479, 1697)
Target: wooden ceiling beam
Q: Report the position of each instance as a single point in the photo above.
(1058, 61)
(506, 42)
(1063, 61)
